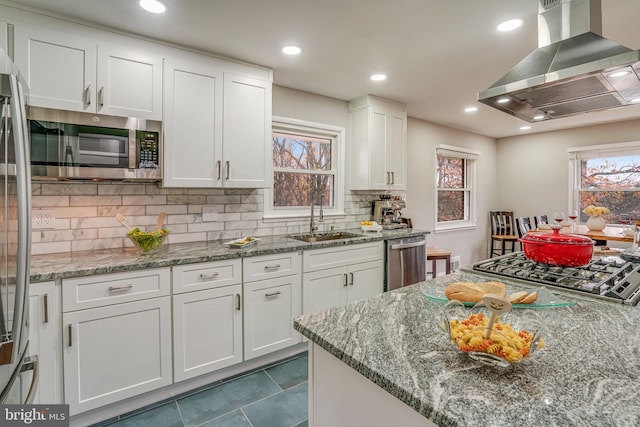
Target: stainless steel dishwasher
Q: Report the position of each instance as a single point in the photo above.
(406, 262)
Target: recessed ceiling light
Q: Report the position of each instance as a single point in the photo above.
(509, 25)
(153, 6)
(538, 117)
(503, 100)
(619, 74)
(471, 109)
(378, 77)
(292, 50)
(527, 127)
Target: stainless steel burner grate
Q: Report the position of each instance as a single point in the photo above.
(609, 277)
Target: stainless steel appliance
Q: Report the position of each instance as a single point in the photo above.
(607, 277)
(387, 213)
(15, 240)
(406, 262)
(71, 145)
(573, 71)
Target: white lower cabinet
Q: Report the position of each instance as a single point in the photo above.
(45, 341)
(207, 331)
(341, 285)
(336, 276)
(269, 309)
(272, 299)
(115, 350)
(207, 317)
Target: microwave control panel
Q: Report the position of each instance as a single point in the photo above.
(148, 150)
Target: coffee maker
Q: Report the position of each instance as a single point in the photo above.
(386, 212)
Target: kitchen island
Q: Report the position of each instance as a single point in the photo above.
(392, 345)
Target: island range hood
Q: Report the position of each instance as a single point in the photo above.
(574, 70)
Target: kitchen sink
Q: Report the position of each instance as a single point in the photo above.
(323, 237)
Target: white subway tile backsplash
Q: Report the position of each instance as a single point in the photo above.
(85, 214)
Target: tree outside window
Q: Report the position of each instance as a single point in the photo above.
(609, 178)
(455, 187)
(307, 168)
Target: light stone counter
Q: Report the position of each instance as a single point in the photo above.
(588, 375)
(54, 266)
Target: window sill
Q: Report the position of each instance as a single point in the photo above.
(457, 227)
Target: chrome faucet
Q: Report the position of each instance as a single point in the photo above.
(312, 225)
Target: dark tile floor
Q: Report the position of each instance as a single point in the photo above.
(272, 396)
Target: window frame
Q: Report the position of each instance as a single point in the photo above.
(471, 158)
(576, 154)
(317, 130)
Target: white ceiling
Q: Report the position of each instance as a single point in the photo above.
(437, 53)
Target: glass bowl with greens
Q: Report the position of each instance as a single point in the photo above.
(147, 241)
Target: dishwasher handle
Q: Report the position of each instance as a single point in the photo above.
(408, 245)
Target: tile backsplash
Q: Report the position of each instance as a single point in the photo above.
(85, 214)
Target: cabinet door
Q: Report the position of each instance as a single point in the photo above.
(129, 83)
(396, 148)
(207, 331)
(60, 68)
(45, 340)
(192, 155)
(247, 132)
(379, 167)
(116, 352)
(323, 289)
(269, 309)
(365, 280)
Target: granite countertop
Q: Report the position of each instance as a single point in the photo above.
(76, 264)
(588, 375)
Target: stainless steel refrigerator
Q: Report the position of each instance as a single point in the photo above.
(17, 367)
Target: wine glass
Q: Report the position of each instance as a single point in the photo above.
(558, 217)
(573, 215)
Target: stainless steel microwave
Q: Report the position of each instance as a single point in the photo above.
(69, 145)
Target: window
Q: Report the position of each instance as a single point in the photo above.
(606, 175)
(307, 165)
(455, 187)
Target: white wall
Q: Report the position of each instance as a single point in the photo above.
(533, 173)
(470, 244)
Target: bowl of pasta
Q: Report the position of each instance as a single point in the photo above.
(513, 338)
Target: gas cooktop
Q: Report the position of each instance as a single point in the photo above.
(608, 277)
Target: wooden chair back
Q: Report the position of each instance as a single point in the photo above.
(502, 223)
(540, 219)
(523, 225)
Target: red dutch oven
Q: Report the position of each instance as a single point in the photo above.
(564, 250)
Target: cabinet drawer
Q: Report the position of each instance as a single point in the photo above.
(195, 277)
(114, 288)
(319, 259)
(268, 266)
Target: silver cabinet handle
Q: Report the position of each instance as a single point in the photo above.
(345, 281)
(351, 279)
(70, 337)
(218, 166)
(205, 276)
(272, 267)
(272, 294)
(101, 97)
(238, 302)
(120, 288)
(388, 181)
(227, 170)
(45, 303)
(393, 177)
(87, 95)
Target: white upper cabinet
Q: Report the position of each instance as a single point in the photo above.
(193, 123)
(71, 72)
(217, 124)
(378, 153)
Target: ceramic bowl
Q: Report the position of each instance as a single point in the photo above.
(514, 337)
